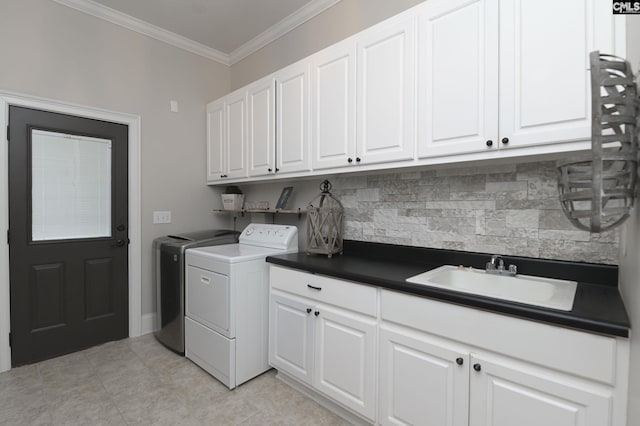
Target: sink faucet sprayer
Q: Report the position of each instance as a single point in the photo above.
(496, 266)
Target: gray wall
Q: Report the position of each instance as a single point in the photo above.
(630, 256)
(52, 51)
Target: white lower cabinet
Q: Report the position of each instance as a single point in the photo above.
(393, 358)
(443, 364)
(291, 336)
(506, 395)
(422, 381)
(315, 340)
(345, 355)
(331, 349)
(429, 381)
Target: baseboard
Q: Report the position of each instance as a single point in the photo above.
(148, 323)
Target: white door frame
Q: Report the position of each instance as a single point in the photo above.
(133, 121)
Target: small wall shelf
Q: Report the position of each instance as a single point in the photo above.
(299, 211)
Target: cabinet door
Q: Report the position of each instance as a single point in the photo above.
(345, 358)
(457, 77)
(291, 332)
(236, 134)
(545, 91)
(422, 381)
(507, 395)
(385, 91)
(292, 131)
(261, 127)
(333, 76)
(215, 141)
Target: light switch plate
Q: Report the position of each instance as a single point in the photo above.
(161, 217)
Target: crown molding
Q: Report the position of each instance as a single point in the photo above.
(111, 15)
(289, 23)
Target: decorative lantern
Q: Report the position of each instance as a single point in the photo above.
(325, 225)
(597, 190)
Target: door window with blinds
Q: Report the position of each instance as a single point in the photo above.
(70, 186)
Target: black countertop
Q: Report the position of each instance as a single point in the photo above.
(597, 307)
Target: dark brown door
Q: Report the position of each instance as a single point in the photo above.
(68, 233)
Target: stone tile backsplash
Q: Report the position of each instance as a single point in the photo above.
(506, 209)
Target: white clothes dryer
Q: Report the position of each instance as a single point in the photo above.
(227, 303)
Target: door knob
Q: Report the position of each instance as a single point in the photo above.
(357, 159)
(349, 160)
(269, 169)
(489, 142)
(477, 367)
(505, 140)
(316, 313)
(120, 243)
(308, 310)
(459, 361)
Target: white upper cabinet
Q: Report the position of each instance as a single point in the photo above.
(386, 91)
(333, 94)
(227, 138)
(216, 164)
(458, 77)
(236, 135)
(444, 81)
(292, 118)
(506, 73)
(544, 68)
(261, 127)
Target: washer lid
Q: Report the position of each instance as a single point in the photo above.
(207, 234)
(235, 253)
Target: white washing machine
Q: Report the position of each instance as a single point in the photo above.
(227, 304)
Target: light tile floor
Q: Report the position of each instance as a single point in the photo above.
(139, 382)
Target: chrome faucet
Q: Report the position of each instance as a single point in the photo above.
(496, 266)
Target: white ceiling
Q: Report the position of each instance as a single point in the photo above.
(224, 30)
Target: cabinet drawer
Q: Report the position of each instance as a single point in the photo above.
(345, 294)
(583, 354)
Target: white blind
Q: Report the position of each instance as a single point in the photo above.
(71, 186)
